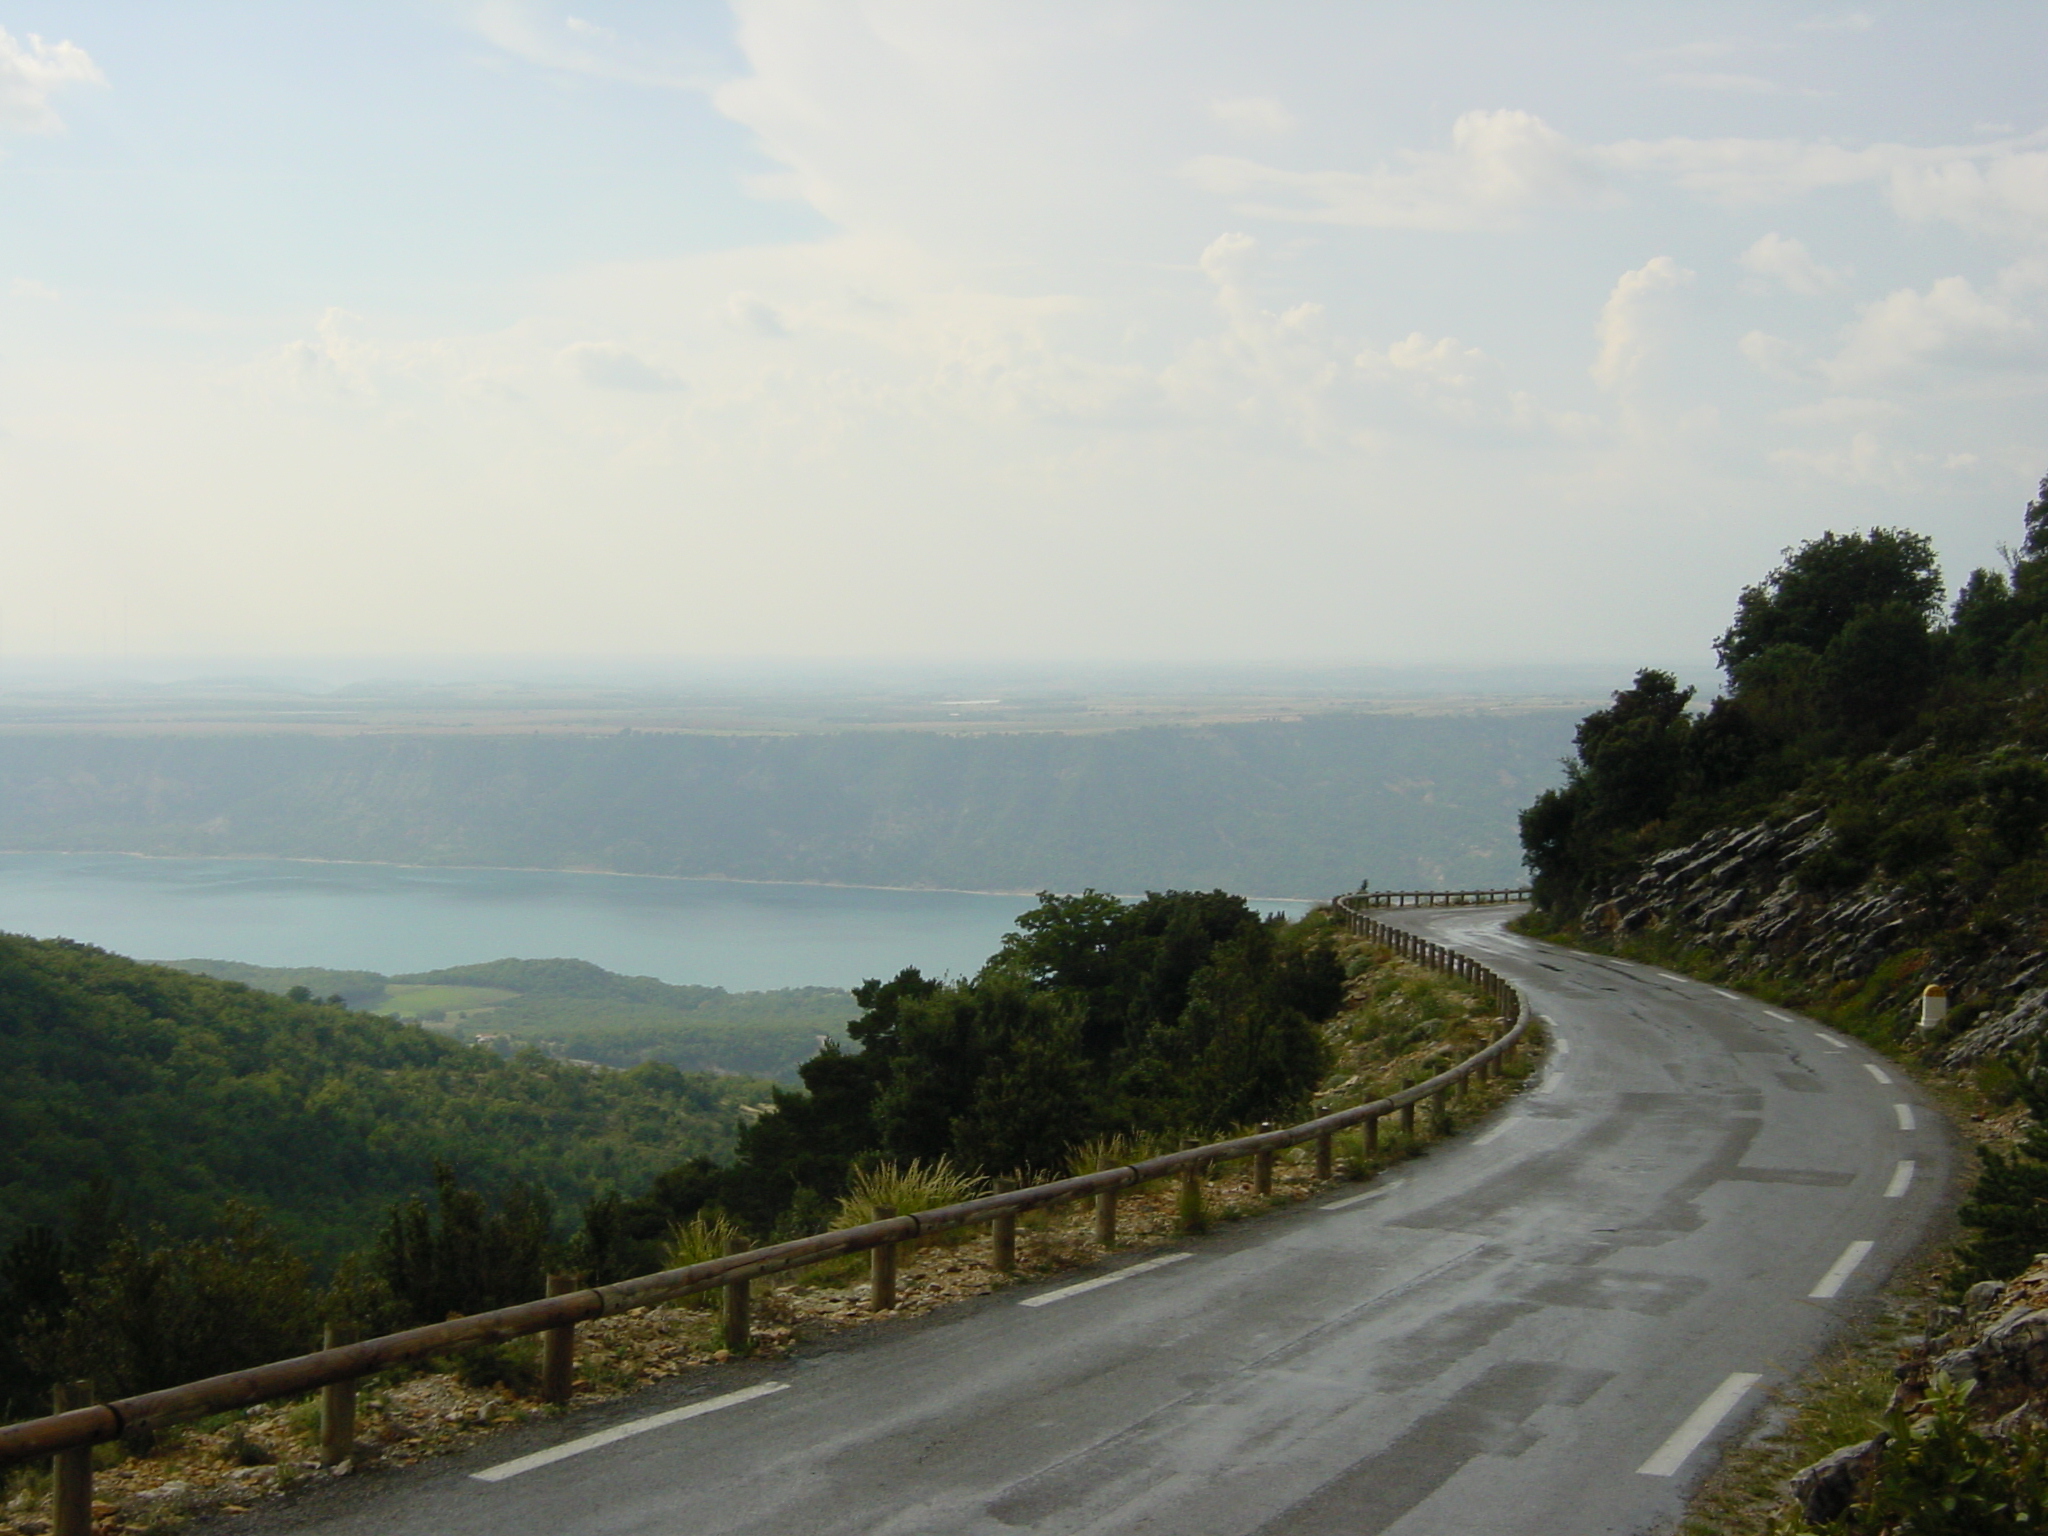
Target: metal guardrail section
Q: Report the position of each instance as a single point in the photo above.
(81, 1428)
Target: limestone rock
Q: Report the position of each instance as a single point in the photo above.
(1826, 1489)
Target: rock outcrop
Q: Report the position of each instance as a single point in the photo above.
(1737, 893)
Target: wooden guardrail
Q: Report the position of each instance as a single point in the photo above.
(1492, 898)
(69, 1435)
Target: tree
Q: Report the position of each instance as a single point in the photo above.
(1825, 584)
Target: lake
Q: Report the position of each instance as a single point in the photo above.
(396, 919)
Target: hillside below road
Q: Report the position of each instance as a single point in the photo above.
(1546, 1326)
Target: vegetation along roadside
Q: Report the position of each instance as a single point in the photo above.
(1388, 1022)
(1861, 816)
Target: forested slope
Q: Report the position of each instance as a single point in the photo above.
(183, 1092)
(1861, 813)
(1282, 808)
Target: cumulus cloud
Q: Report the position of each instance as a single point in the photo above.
(605, 365)
(1773, 356)
(1627, 321)
(1784, 262)
(1500, 166)
(31, 74)
(1258, 115)
(1952, 323)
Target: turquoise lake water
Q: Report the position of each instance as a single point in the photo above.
(395, 919)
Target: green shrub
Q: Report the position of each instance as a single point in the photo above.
(906, 1188)
(705, 1236)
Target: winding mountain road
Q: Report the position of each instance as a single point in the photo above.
(1546, 1327)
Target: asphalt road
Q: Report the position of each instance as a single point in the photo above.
(1548, 1326)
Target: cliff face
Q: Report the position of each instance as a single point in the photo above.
(1737, 894)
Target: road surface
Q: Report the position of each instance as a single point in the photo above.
(1544, 1327)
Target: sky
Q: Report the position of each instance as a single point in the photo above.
(1306, 330)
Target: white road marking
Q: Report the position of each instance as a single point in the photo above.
(1827, 1040)
(612, 1436)
(1729, 995)
(1831, 1283)
(1902, 1179)
(1101, 1280)
(1782, 1018)
(1562, 1045)
(1495, 1133)
(1905, 1114)
(1704, 1420)
(1371, 1194)
(1878, 1072)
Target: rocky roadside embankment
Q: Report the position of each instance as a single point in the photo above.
(1737, 894)
(1987, 1366)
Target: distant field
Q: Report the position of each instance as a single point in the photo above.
(575, 1010)
(412, 1002)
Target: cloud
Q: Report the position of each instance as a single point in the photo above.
(30, 75)
(1736, 85)
(1840, 410)
(603, 365)
(2000, 192)
(1844, 21)
(1500, 166)
(1773, 356)
(1999, 187)
(1787, 262)
(580, 47)
(1625, 327)
(29, 288)
(752, 313)
(1951, 324)
(1257, 115)
(1863, 461)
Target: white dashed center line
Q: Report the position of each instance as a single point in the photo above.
(1905, 1114)
(1878, 1072)
(1827, 1040)
(1101, 1280)
(1704, 1420)
(1831, 1283)
(612, 1436)
(1902, 1180)
(1371, 1194)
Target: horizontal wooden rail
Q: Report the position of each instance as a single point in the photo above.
(1487, 898)
(102, 1422)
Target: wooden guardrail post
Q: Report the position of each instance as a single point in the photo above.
(71, 1480)
(558, 1350)
(1105, 1218)
(882, 1268)
(1325, 1159)
(1262, 1165)
(1408, 1120)
(1372, 1134)
(1002, 1235)
(739, 1305)
(337, 1407)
